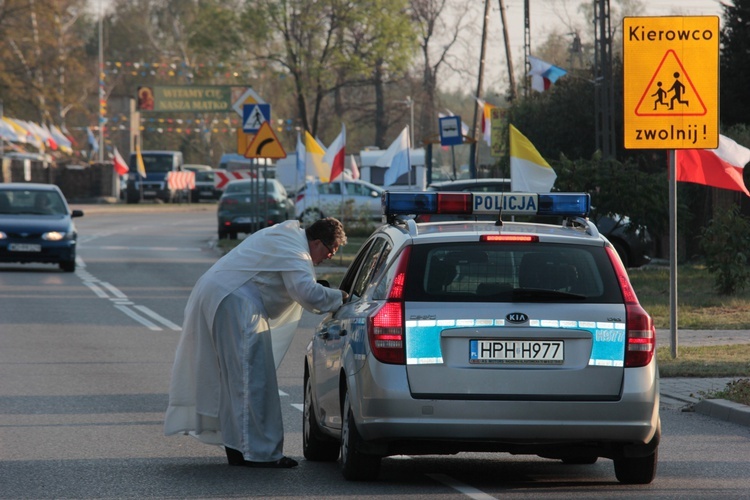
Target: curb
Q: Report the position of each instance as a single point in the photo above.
(722, 409)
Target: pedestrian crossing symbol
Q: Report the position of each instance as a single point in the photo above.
(671, 91)
(255, 115)
(670, 70)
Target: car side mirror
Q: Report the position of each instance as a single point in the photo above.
(325, 283)
(76, 213)
(374, 194)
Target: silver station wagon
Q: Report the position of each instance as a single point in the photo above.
(515, 337)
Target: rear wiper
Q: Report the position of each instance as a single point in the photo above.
(541, 294)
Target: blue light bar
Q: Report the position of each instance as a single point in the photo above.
(431, 202)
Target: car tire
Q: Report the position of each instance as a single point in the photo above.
(315, 446)
(638, 470)
(230, 235)
(310, 215)
(622, 251)
(355, 466)
(68, 266)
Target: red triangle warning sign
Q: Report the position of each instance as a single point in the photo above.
(670, 92)
(265, 144)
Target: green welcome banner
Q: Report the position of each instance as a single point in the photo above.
(192, 98)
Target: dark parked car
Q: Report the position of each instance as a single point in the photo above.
(205, 187)
(633, 244)
(36, 225)
(248, 205)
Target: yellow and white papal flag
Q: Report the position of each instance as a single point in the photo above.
(529, 172)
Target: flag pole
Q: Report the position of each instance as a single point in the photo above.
(673, 251)
(100, 80)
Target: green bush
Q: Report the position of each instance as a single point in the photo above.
(725, 243)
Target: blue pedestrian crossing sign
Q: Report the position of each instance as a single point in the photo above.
(254, 115)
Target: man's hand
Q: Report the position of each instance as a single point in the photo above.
(344, 296)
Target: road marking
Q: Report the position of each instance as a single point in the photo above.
(465, 489)
(161, 319)
(120, 301)
(140, 319)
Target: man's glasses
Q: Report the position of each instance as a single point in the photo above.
(331, 252)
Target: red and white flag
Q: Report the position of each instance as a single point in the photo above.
(721, 167)
(335, 154)
(120, 166)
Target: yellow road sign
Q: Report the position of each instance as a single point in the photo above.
(671, 82)
(265, 144)
(243, 141)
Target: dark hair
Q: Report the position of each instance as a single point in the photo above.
(329, 230)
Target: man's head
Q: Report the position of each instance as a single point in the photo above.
(325, 236)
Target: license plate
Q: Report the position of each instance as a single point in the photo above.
(206, 193)
(245, 220)
(24, 247)
(149, 192)
(516, 351)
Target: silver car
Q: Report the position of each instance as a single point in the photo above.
(346, 200)
(485, 336)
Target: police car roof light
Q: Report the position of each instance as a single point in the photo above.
(431, 202)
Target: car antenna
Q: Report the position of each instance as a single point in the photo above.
(499, 221)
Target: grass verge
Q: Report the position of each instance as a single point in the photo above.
(699, 306)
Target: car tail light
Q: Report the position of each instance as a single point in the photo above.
(300, 197)
(385, 329)
(641, 334)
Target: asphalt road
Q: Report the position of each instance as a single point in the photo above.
(85, 360)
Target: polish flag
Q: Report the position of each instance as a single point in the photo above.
(120, 166)
(335, 155)
(721, 167)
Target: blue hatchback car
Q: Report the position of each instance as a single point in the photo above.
(36, 225)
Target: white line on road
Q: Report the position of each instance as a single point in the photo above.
(161, 319)
(121, 301)
(140, 319)
(114, 291)
(465, 489)
(462, 488)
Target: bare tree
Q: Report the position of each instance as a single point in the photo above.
(431, 18)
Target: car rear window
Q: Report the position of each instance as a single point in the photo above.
(487, 272)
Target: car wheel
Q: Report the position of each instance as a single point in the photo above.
(622, 251)
(355, 466)
(310, 215)
(225, 234)
(68, 266)
(315, 446)
(640, 470)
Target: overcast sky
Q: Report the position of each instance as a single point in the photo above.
(547, 16)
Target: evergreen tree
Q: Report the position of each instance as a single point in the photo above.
(734, 70)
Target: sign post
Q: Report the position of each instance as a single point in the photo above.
(671, 101)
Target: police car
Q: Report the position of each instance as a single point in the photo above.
(503, 336)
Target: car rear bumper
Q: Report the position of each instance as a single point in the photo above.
(388, 416)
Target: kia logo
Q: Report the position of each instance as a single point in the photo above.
(517, 318)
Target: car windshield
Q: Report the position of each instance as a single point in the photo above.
(518, 272)
(153, 163)
(31, 202)
(249, 187)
